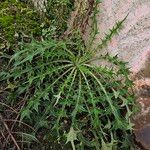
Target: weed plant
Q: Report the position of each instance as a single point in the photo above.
(83, 105)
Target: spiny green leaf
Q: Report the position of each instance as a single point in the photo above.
(25, 113)
(71, 137)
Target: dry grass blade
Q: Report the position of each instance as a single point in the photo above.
(13, 120)
(9, 132)
(9, 107)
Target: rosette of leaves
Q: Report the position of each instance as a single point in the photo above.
(87, 105)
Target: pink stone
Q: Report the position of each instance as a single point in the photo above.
(143, 136)
(133, 42)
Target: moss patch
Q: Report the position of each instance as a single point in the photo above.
(18, 19)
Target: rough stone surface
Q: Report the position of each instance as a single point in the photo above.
(132, 45)
(143, 136)
(133, 42)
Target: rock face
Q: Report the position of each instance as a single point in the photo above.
(143, 136)
(142, 119)
(132, 45)
(133, 42)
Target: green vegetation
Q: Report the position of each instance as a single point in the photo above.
(69, 102)
(58, 12)
(18, 21)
